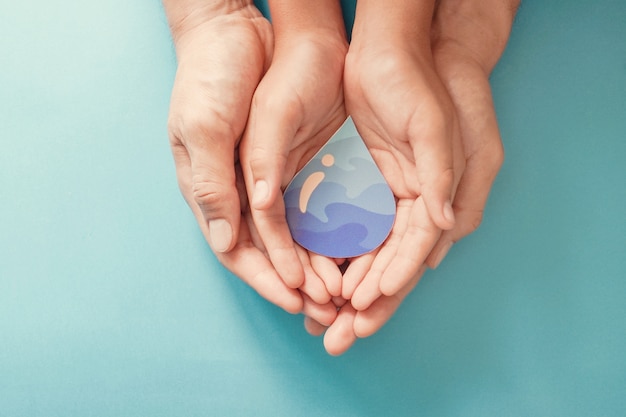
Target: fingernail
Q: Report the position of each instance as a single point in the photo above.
(261, 192)
(221, 235)
(442, 254)
(448, 212)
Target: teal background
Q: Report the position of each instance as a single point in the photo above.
(112, 304)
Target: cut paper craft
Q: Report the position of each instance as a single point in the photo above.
(339, 204)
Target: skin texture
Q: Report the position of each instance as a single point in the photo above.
(228, 78)
(407, 120)
(251, 104)
(297, 106)
(466, 42)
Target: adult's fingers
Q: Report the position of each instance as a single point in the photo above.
(417, 242)
(246, 260)
(208, 185)
(484, 156)
(368, 289)
(369, 321)
(328, 270)
(340, 334)
(431, 135)
(313, 327)
(324, 314)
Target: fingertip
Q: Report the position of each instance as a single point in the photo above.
(261, 195)
(439, 253)
(340, 335)
(363, 326)
(389, 287)
(221, 235)
(361, 303)
(313, 327)
(448, 213)
(293, 304)
(295, 278)
(441, 214)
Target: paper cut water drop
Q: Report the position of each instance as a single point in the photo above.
(339, 204)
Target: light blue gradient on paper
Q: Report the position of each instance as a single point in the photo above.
(351, 210)
(111, 304)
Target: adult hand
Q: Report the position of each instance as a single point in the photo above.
(467, 40)
(223, 51)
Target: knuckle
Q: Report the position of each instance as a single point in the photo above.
(497, 156)
(288, 106)
(193, 127)
(207, 194)
(471, 222)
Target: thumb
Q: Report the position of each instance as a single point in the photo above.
(272, 126)
(211, 180)
(433, 152)
(264, 149)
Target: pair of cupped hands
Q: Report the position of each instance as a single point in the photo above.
(253, 102)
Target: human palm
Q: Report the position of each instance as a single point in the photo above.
(296, 108)
(406, 118)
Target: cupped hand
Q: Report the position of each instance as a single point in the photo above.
(467, 42)
(296, 108)
(407, 120)
(222, 55)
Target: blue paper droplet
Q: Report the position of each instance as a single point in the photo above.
(339, 204)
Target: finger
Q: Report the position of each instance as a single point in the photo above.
(210, 187)
(275, 117)
(417, 242)
(324, 314)
(340, 335)
(469, 206)
(369, 321)
(368, 289)
(252, 266)
(485, 154)
(313, 285)
(255, 270)
(431, 138)
(356, 271)
(264, 149)
(313, 328)
(339, 301)
(328, 270)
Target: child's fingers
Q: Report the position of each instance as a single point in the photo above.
(328, 270)
(313, 285)
(417, 242)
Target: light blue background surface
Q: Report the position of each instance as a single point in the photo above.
(112, 304)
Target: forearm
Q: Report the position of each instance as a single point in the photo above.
(398, 22)
(482, 25)
(306, 15)
(185, 15)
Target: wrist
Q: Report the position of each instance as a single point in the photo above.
(403, 23)
(187, 15)
(308, 19)
(475, 30)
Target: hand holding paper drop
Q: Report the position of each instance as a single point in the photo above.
(339, 204)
